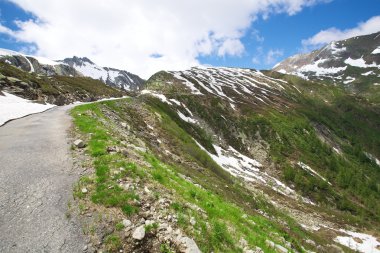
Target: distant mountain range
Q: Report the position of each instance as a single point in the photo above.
(74, 67)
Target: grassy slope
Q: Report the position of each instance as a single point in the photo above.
(228, 215)
(353, 122)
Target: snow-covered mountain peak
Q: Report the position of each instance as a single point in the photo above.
(344, 62)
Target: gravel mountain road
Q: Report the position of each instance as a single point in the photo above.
(36, 180)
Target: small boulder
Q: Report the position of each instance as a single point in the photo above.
(127, 223)
(280, 249)
(139, 233)
(190, 245)
(79, 143)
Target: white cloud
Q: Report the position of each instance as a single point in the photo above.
(231, 47)
(256, 60)
(129, 34)
(273, 55)
(372, 25)
(256, 35)
(6, 30)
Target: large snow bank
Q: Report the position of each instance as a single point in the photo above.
(13, 107)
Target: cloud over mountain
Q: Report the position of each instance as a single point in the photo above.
(129, 34)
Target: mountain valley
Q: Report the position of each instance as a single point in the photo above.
(217, 159)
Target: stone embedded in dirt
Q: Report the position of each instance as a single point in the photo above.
(281, 249)
(79, 143)
(243, 243)
(111, 149)
(277, 247)
(124, 152)
(311, 242)
(149, 222)
(190, 245)
(256, 250)
(146, 190)
(193, 221)
(127, 223)
(139, 233)
(162, 226)
(84, 190)
(123, 124)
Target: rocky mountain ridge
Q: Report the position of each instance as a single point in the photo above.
(113, 77)
(73, 67)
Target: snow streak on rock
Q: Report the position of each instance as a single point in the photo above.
(231, 84)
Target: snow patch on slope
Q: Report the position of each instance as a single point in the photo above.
(359, 241)
(368, 73)
(349, 79)
(45, 61)
(187, 119)
(310, 170)
(320, 71)
(335, 50)
(91, 70)
(376, 51)
(13, 107)
(250, 170)
(360, 63)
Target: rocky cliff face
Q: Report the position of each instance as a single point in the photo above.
(352, 62)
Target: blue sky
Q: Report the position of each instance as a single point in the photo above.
(172, 40)
(285, 33)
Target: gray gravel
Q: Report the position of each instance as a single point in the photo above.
(36, 179)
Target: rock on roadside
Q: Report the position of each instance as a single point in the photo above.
(79, 143)
(190, 245)
(139, 233)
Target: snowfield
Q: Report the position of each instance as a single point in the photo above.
(13, 107)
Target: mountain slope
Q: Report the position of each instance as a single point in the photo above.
(235, 159)
(297, 141)
(353, 63)
(56, 89)
(73, 67)
(113, 77)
